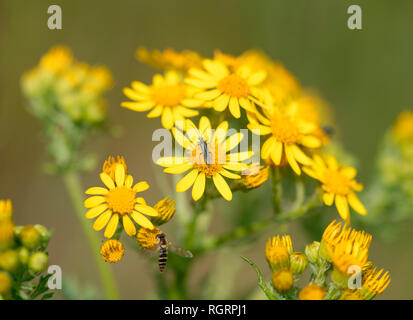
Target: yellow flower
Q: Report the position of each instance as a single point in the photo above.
(312, 292)
(374, 283)
(57, 59)
(166, 210)
(278, 251)
(148, 238)
(288, 135)
(6, 210)
(118, 200)
(283, 280)
(338, 184)
(167, 98)
(349, 294)
(213, 163)
(403, 128)
(169, 59)
(223, 88)
(254, 180)
(112, 250)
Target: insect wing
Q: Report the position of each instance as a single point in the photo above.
(180, 251)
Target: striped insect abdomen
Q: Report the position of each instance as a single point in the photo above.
(163, 257)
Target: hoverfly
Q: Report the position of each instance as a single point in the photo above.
(163, 245)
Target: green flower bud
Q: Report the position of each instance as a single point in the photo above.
(42, 230)
(311, 251)
(298, 262)
(23, 254)
(323, 252)
(9, 260)
(30, 237)
(38, 262)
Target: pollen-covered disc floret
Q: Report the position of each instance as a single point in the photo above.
(207, 156)
(338, 185)
(223, 88)
(118, 201)
(167, 98)
(112, 250)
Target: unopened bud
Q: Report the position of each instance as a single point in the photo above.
(298, 262)
(5, 283)
(38, 262)
(30, 237)
(283, 280)
(311, 251)
(9, 260)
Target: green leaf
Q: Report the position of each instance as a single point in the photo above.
(272, 295)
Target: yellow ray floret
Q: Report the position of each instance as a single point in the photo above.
(338, 185)
(207, 156)
(167, 97)
(118, 201)
(223, 88)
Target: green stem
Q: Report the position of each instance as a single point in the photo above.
(72, 183)
(276, 190)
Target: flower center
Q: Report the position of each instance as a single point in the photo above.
(121, 200)
(284, 129)
(336, 182)
(234, 86)
(208, 158)
(168, 96)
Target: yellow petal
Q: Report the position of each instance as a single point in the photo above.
(199, 187)
(155, 112)
(94, 201)
(167, 118)
(94, 212)
(180, 168)
(276, 153)
(149, 211)
(129, 226)
(119, 175)
(342, 207)
(141, 186)
(229, 175)
(97, 191)
(180, 138)
(356, 204)
(259, 129)
(140, 87)
(202, 84)
(208, 95)
(171, 161)
(142, 220)
(204, 124)
(349, 172)
(112, 226)
(131, 94)
(291, 160)
(222, 187)
(129, 181)
(138, 106)
(299, 155)
(328, 198)
(107, 180)
(246, 104)
(256, 78)
(234, 107)
(221, 103)
(240, 156)
(235, 166)
(186, 182)
(216, 68)
(221, 132)
(233, 141)
(267, 147)
(310, 142)
(102, 220)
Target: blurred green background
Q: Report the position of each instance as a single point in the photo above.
(365, 75)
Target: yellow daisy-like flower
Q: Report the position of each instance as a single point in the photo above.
(223, 88)
(118, 200)
(338, 184)
(278, 251)
(167, 98)
(112, 251)
(206, 157)
(288, 136)
(6, 210)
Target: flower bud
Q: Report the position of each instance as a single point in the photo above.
(30, 237)
(9, 260)
(277, 252)
(38, 262)
(323, 252)
(44, 233)
(312, 292)
(5, 283)
(6, 234)
(112, 250)
(166, 210)
(283, 280)
(311, 251)
(23, 254)
(6, 210)
(298, 262)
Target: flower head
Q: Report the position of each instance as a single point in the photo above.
(278, 251)
(338, 185)
(283, 280)
(167, 98)
(112, 250)
(312, 292)
(148, 238)
(118, 201)
(374, 283)
(255, 176)
(224, 88)
(206, 157)
(289, 135)
(57, 59)
(166, 210)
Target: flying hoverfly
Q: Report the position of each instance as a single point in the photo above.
(163, 246)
